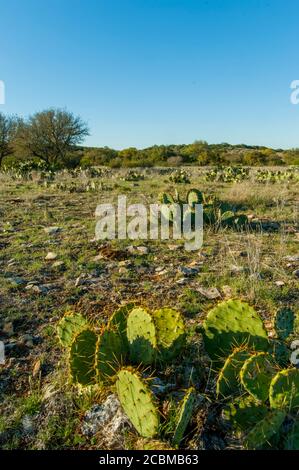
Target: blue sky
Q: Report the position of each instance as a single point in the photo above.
(144, 72)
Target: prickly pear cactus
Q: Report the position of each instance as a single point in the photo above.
(138, 402)
(284, 390)
(69, 326)
(194, 197)
(170, 332)
(82, 357)
(233, 324)
(184, 416)
(281, 353)
(166, 198)
(244, 412)
(141, 334)
(109, 354)
(292, 439)
(228, 382)
(118, 322)
(284, 323)
(256, 375)
(264, 430)
(152, 444)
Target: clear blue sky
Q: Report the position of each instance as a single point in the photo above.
(144, 72)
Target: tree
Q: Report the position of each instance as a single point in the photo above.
(52, 135)
(8, 128)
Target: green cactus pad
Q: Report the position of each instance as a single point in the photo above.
(184, 416)
(292, 439)
(284, 323)
(82, 357)
(264, 430)
(109, 354)
(69, 326)
(228, 382)
(118, 321)
(284, 390)
(141, 334)
(194, 197)
(227, 218)
(281, 353)
(138, 402)
(233, 324)
(170, 332)
(166, 198)
(256, 375)
(152, 444)
(244, 412)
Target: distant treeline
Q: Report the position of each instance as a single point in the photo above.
(199, 153)
(55, 137)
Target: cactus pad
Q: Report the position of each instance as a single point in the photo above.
(228, 382)
(256, 375)
(118, 321)
(170, 332)
(109, 354)
(69, 326)
(264, 430)
(82, 357)
(284, 323)
(284, 390)
(141, 333)
(244, 412)
(184, 416)
(194, 197)
(233, 324)
(152, 444)
(281, 353)
(138, 402)
(292, 439)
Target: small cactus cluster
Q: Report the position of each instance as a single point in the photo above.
(215, 213)
(133, 335)
(260, 393)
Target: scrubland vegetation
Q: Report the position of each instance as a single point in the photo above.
(140, 344)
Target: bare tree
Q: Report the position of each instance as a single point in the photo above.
(51, 135)
(8, 128)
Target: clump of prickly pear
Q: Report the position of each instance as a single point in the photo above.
(228, 382)
(69, 326)
(233, 324)
(186, 409)
(138, 402)
(284, 390)
(82, 357)
(256, 375)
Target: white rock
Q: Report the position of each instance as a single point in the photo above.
(51, 256)
(52, 230)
